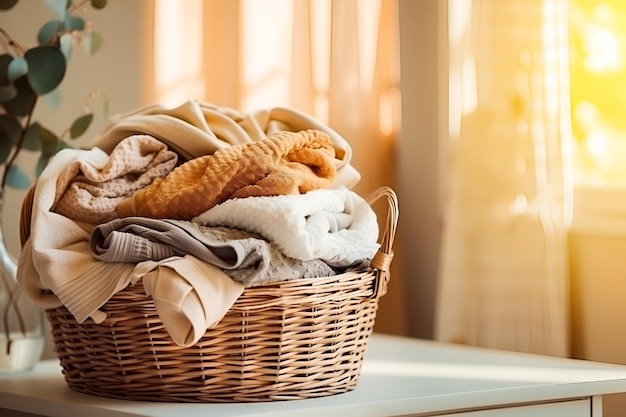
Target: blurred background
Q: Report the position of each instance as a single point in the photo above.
(498, 123)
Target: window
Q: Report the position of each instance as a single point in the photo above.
(598, 91)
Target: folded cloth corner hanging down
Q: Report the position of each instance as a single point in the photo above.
(195, 129)
(189, 295)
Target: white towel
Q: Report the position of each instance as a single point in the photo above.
(335, 225)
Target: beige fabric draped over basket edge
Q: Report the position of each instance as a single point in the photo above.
(297, 339)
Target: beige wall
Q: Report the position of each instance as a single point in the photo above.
(598, 281)
(423, 32)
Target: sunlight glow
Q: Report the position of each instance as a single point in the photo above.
(266, 52)
(602, 51)
(519, 206)
(178, 50)
(485, 372)
(283, 45)
(462, 95)
(598, 72)
(596, 144)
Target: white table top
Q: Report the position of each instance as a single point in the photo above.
(399, 376)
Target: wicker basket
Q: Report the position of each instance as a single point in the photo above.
(293, 340)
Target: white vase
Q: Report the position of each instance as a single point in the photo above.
(21, 320)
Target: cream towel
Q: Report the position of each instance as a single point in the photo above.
(56, 256)
(194, 129)
(56, 266)
(189, 295)
(336, 226)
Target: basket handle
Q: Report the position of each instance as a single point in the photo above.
(381, 261)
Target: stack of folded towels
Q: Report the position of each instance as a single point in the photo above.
(197, 202)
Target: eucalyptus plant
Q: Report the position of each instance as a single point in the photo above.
(30, 73)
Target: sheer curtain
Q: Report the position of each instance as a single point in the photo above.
(334, 59)
(503, 278)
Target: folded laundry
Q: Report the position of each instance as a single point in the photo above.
(243, 256)
(189, 295)
(257, 198)
(196, 128)
(335, 225)
(284, 163)
(55, 266)
(90, 193)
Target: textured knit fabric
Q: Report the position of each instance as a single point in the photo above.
(55, 266)
(336, 226)
(243, 256)
(195, 129)
(284, 163)
(94, 192)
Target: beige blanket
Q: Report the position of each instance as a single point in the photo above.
(195, 129)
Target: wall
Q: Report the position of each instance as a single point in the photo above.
(115, 70)
(423, 40)
(598, 281)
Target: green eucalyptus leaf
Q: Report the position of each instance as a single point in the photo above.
(5, 61)
(74, 23)
(63, 145)
(58, 6)
(17, 179)
(51, 149)
(80, 125)
(42, 162)
(7, 92)
(48, 149)
(92, 41)
(31, 139)
(45, 156)
(7, 4)
(46, 68)
(17, 67)
(47, 138)
(65, 44)
(10, 129)
(48, 32)
(53, 98)
(24, 100)
(98, 4)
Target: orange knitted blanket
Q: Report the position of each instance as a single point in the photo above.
(284, 163)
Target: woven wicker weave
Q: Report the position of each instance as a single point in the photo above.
(297, 339)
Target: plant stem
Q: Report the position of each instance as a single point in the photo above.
(18, 147)
(77, 6)
(12, 43)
